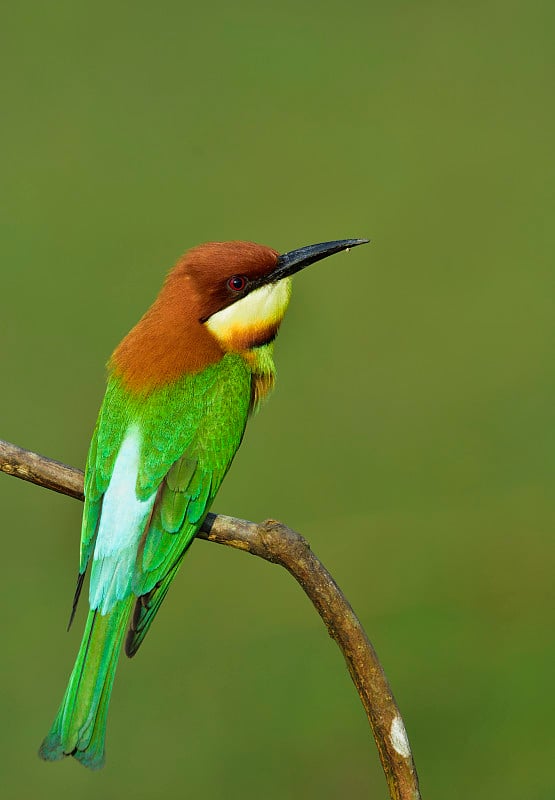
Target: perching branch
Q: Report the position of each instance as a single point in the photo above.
(279, 544)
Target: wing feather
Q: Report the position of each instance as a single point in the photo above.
(189, 433)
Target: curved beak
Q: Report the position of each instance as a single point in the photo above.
(292, 262)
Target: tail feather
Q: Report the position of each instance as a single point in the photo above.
(146, 608)
(80, 725)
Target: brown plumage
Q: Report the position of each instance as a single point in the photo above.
(171, 340)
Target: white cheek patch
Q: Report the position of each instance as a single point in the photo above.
(261, 308)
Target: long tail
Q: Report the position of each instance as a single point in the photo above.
(80, 724)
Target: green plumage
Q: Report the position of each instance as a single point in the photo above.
(158, 455)
(188, 431)
(80, 725)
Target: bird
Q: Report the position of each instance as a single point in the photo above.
(181, 386)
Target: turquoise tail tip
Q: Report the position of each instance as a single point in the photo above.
(52, 750)
(80, 724)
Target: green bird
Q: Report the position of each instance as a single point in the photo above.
(181, 386)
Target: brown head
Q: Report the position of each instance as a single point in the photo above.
(220, 297)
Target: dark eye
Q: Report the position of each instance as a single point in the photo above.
(237, 283)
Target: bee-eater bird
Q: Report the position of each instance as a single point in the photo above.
(181, 386)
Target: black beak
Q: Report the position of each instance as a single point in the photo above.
(295, 260)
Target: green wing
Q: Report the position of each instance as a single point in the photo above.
(113, 419)
(190, 431)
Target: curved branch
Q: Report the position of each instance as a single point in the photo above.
(279, 544)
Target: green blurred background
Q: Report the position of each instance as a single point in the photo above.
(411, 436)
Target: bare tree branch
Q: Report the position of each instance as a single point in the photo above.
(43, 471)
(279, 544)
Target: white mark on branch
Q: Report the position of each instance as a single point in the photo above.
(278, 544)
(399, 738)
